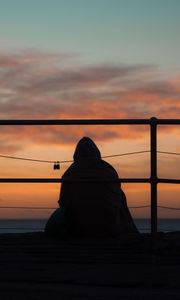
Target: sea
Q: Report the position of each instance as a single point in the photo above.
(36, 225)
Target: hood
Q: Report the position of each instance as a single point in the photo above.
(86, 149)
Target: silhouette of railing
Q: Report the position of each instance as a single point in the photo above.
(153, 179)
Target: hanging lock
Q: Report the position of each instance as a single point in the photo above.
(56, 165)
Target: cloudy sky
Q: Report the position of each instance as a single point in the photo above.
(88, 59)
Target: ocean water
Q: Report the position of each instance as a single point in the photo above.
(164, 225)
(30, 225)
(22, 225)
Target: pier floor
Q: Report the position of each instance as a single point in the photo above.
(34, 267)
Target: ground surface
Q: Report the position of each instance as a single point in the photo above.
(32, 267)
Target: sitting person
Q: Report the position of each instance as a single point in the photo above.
(91, 200)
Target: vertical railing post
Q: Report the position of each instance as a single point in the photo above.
(153, 178)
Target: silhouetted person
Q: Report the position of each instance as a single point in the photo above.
(95, 207)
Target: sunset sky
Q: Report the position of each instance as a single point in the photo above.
(62, 59)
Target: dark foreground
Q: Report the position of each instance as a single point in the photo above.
(32, 267)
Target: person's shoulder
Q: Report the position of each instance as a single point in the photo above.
(69, 170)
(95, 167)
(109, 167)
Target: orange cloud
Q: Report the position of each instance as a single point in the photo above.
(45, 85)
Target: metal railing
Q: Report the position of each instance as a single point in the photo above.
(153, 180)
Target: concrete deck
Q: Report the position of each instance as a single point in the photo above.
(33, 267)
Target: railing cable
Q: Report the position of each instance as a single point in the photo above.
(66, 161)
(44, 207)
(70, 161)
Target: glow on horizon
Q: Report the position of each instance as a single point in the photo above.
(47, 194)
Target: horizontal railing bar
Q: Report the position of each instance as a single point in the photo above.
(60, 180)
(168, 121)
(164, 180)
(91, 122)
(76, 122)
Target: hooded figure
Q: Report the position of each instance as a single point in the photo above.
(96, 207)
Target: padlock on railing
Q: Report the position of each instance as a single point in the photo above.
(56, 165)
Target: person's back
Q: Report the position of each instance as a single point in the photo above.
(93, 206)
(91, 199)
